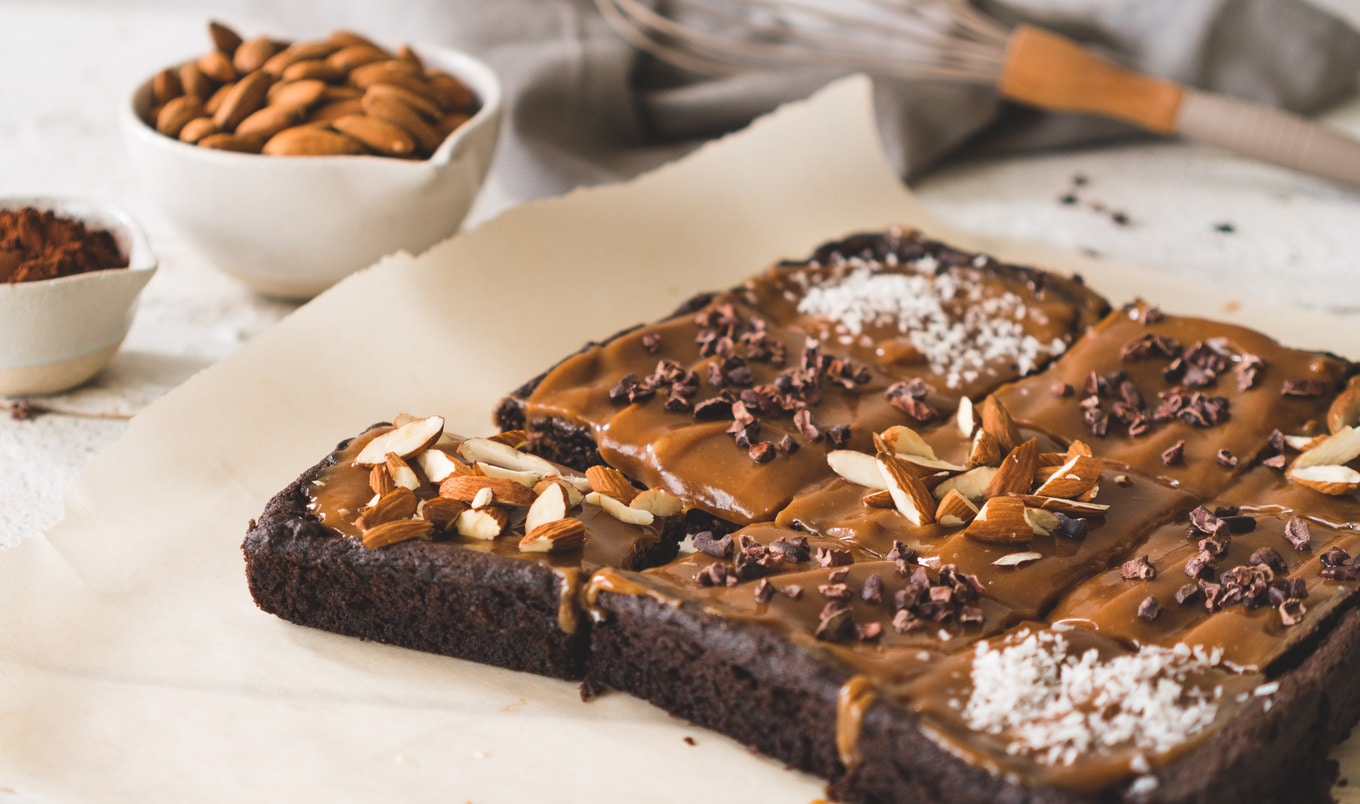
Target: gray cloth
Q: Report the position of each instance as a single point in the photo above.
(583, 107)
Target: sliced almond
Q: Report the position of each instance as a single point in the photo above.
(380, 480)
(504, 491)
(1337, 449)
(924, 465)
(1079, 447)
(441, 511)
(913, 500)
(997, 421)
(397, 531)
(1333, 480)
(1049, 460)
(481, 523)
(955, 510)
(574, 493)
(1061, 506)
(1345, 409)
(1016, 473)
(859, 468)
(1040, 521)
(1303, 443)
(1089, 494)
(611, 482)
(1001, 520)
(966, 418)
(878, 499)
(504, 455)
(985, 451)
(620, 510)
(405, 441)
(1072, 479)
(558, 536)
(438, 465)
(971, 484)
(511, 438)
(1016, 559)
(659, 502)
(399, 503)
(549, 506)
(526, 479)
(483, 497)
(902, 440)
(402, 473)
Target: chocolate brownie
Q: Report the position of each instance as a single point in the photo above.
(434, 589)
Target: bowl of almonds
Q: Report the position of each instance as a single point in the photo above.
(291, 164)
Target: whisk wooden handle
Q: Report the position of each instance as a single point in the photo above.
(1046, 70)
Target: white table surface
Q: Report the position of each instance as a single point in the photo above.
(68, 65)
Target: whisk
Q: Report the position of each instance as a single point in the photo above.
(951, 40)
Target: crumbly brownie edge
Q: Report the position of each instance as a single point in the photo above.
(742, 680)
(418, 595)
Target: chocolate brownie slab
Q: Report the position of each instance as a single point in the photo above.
(430, 566)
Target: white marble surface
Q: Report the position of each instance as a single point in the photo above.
(67, 65)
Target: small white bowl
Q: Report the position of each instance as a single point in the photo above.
(292, 226)
(57, 333)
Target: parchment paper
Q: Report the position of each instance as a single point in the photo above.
(133, 664)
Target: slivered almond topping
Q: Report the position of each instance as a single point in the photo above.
(878, 499)
(970, 484)
(955, 510)
(1333, 480)
(525, 479)
(510, 438)
(985, 450)
(1016, 559)
(611, 483)
(913, 500)
(922, 465)
(574, 495)
(934, 479)
(398, 531)
(1016, 473)
(1040, 521)
(859, 468)
(1079, 447)
(659, 502)
(557, 536)
(465, 488)
(412, 437)
(441, 511)
(620, 510)
(1061, 506)
(403, 419)
(1336, 449)
(965, 417)
(1001, 520)
(550, 506)
(483, 497)
(380, 480)
(1072, 479)
(496, 453)
(402, 473)
(1303, 443)
(997, 421)
(481, 523)
(438, 464)
(902, 440)
(399, 503)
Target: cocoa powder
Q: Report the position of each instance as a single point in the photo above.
(38, 244)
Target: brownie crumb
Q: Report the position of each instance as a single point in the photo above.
(1149, 609)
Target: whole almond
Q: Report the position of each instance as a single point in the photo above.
(342, 38)
(177, 113)
(442, 511)
(296, 94)
(380, 72)
(252, 55)
(423, 106)
(352, 56)
(231, 142)
(296, 52)
(166, 86)
(197, 129)
(194, 81)
(390, 109)
(312, 68)
(327, 112)
(399, 503)
(270, 120)
(448, 125)
(335, 92)
(245, 97)
(451, 94)
(504, 491)
(406, 54)
(215, 101)
(217, 66)
(376, 134)
(224, 38)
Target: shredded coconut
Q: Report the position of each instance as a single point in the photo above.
(958, 343)
(1055, 707)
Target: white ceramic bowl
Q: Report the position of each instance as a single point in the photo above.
(292, 226)
(58, 333)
